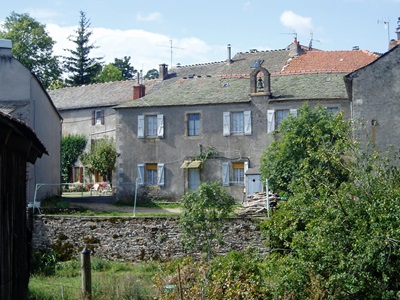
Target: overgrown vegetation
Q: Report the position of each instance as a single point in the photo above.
(72, 146)
(204, 211)
(110, 280)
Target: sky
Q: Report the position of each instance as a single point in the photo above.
(196, 32)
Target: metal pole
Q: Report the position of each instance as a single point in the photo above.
(267, 197)
(134, 202)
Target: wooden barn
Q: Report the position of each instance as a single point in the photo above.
(19, 145)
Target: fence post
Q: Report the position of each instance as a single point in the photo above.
(86, 274)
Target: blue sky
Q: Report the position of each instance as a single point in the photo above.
(199, 31)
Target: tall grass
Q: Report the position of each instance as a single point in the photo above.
(110, 280)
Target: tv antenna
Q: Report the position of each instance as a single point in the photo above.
(386, 23)
(171, 47)
(311, 40)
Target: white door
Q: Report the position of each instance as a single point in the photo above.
(194, 179)
(254, 184)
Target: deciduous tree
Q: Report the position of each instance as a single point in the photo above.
(32, 46)
(204, 211)
(102, 157)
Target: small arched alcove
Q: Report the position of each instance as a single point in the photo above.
(260, 82)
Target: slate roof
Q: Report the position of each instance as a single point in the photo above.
(312, 75)
(94, 95)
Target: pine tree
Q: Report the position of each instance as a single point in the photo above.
(82, 68)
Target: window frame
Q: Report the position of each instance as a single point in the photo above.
(191, 129)
(143, 126)
(98, 117)
(150, 174)
(231, 126)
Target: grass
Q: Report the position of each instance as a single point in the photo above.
(61, 206)
(110, 280)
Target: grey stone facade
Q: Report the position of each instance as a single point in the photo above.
(375, 96)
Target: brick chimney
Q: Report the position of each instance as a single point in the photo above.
(295, 48)
(5, 48)
(163, 71)
(139, 91)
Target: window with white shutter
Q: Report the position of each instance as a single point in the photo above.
(225, 173)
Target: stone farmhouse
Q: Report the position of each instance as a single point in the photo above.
(23, 97)
(212, 122)
(89, 110)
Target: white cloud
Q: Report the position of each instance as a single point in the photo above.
(146, 49)
(300, 25)
(156, 16)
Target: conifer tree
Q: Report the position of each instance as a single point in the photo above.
(82, 69)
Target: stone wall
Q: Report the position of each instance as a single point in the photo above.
(135, 239)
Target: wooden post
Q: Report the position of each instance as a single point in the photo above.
(86, 274)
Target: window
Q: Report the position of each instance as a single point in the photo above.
(235, 170)
(98, 117)
(333, 110)
(193, 124)
(150, 126)
(150, 174)
(275, 117)
(238, 172)
(237, 123)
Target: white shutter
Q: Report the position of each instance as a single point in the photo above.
(247, 122)
(225, 173)
(271, 120)
(160, 174)
(246, 167)
(160, 126)
(227, 123)
(140, 174)
(293, 112)
(140, 132)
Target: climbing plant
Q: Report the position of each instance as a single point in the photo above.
(72, 146)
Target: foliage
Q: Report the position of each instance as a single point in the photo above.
(204, 211)
(81, 68)
(345, 243)
(109, 73)
(124, 65)
(237, 276)
(152, 74)
(312, 143)
(32, 46)
(72, 146)
(44, 263)
(102, 157)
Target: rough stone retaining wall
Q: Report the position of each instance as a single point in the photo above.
(136, 239)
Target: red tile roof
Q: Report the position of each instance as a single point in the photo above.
(329, 61)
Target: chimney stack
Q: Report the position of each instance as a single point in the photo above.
(163, 71)
(5, 47)
(139, 91)
(295, 48)
(229, 60)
